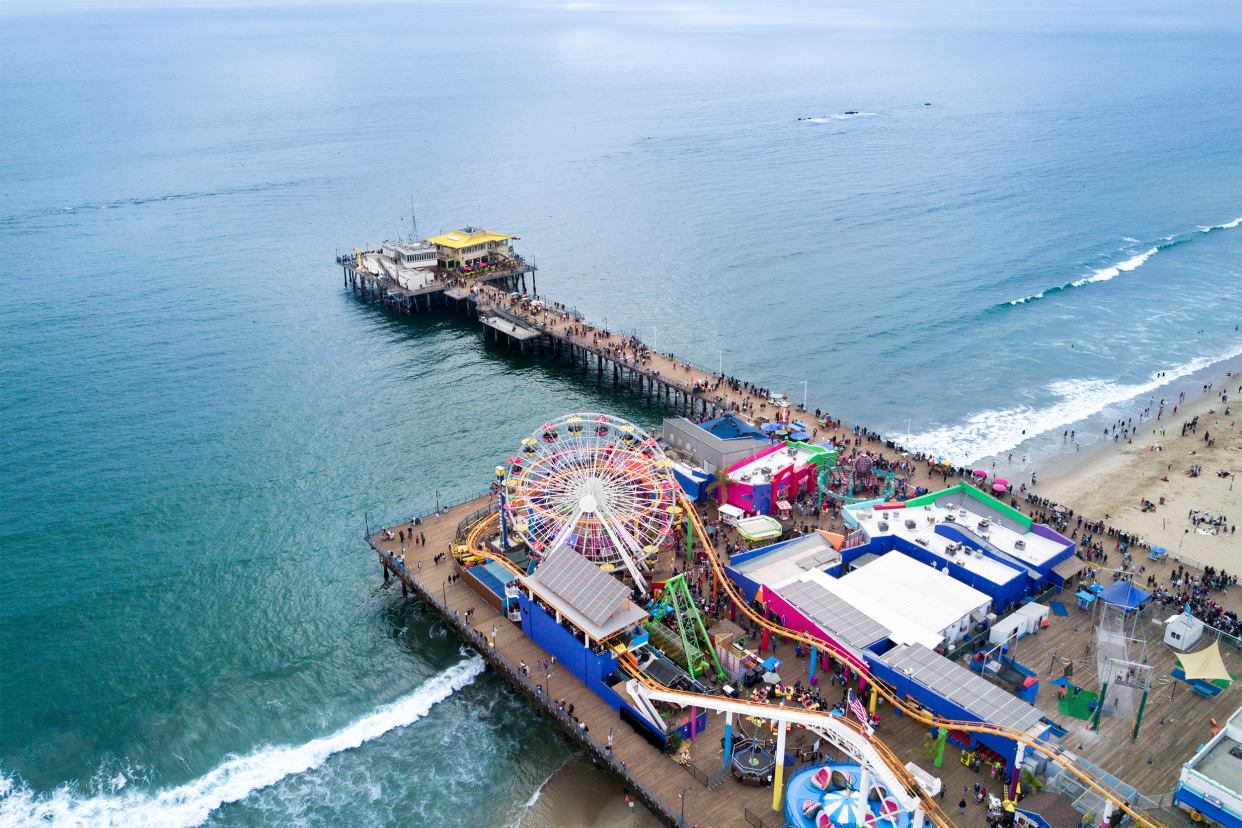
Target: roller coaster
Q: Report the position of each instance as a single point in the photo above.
(764, 710)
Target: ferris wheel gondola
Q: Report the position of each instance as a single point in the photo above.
(594, 483)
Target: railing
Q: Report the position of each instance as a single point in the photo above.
(475, 516)
(760, 821)
(444, 507)
(534, 692)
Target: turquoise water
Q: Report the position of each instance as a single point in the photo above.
(197, 417)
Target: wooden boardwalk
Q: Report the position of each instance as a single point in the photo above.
(1167, 744)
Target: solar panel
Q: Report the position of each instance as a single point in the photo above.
(582, 584)
(963, 687)
(833, 614)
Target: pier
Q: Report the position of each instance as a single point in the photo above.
(509, 321)
(700, 790)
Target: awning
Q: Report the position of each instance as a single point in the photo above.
(783, 505)
(1084, 596)
(1205, 664)
(1069, 567)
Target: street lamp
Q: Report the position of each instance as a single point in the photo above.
(682, 797)
(504, 524)
(804, 395)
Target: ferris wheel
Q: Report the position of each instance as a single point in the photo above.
(596, 484)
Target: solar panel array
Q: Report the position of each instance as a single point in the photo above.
(833, 614)
(582, 584)
(963, 687)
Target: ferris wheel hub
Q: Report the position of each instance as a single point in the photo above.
(588, 504)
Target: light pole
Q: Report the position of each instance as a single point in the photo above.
(907, 429)
(504, 524)
(549, 683)
(720, 364)
(682, 797)
(804, 395)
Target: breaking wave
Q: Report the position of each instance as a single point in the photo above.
(840, 116)
(1104, 274)
(235, 779)
(994, 431)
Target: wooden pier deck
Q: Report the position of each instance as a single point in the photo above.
(1175, 724)
(654, 779)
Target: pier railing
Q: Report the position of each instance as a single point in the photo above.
(600, 753)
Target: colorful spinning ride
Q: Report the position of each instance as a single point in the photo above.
(597, 484)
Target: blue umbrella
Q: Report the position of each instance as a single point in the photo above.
(1159, 550)
(799, 435)
(770, 427)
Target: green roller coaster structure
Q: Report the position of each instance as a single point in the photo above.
(696, 645)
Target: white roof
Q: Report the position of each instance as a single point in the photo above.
(762, 469)
(901, 629)
(1002, 538)
(927, 597)
(730, 509)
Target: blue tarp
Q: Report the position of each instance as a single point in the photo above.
(729, 427)
(1124, 594)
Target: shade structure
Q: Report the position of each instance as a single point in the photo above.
(1001, 481)
(1205, 664)
(800, 435)
(844, 807)
(1125, 595)
(998, 487)
(770, 427)
(980, 473)
(772, 678)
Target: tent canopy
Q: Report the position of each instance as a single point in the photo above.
(1205, 664)
(1124, 594)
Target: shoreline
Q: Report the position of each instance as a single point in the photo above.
(1109, 482)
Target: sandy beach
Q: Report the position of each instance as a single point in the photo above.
(1112, 483)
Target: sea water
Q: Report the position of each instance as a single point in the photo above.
(959, 223)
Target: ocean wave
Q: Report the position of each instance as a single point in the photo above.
(235, 779)
(840, 116)
(1104, 274)
(991, 432)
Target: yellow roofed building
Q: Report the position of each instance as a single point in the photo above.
(470, 247)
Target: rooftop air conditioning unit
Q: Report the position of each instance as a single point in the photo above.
(950, 518)
(1019, 544)
(910, 524)
(921, 541)
(927, 508)
(978, 553)
(883, 526)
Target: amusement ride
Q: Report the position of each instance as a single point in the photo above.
(597, 484)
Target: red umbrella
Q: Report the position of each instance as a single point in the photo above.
(998, 487)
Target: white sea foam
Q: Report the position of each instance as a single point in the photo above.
(235, 779)
(994, 431)
(1106, 273)
(1228, 226)
(840, 116)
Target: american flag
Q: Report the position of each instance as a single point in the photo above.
(861, 713)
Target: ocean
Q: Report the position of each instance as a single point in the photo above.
(967, 226)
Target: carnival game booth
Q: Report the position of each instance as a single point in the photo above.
(784, 471)
(983, 542)
(951, 691)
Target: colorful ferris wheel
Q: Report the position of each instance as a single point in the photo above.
(596, 484)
